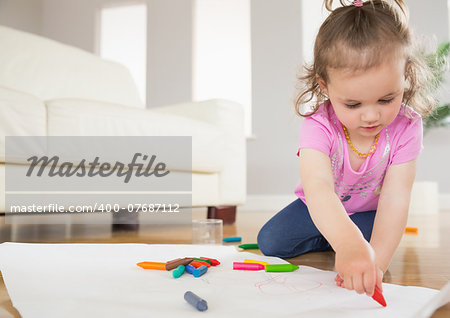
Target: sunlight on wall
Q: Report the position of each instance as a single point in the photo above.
(222, 52)
(123, 38)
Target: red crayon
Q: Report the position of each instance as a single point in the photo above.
(378, 296)
(197, 264)
(214, 262)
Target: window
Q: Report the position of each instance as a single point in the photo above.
(123, 38)
(222, 52)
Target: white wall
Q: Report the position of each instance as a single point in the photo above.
(432, 21)
(276, 52)
(70, 22)
(169, 77)
(25, 15)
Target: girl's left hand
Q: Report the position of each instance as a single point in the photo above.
(340, 282)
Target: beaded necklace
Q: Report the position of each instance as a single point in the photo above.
(360, 154)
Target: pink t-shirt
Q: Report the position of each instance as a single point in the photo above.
(359, 191)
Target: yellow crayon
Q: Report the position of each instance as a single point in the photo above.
(257, 262)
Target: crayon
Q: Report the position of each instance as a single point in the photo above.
(196, 301)
(200, 271)
(178, 271)
(248, 266)
(197, 264)
(202, 260)
(152, 265)
(232, 239)
(256, 262)
(411, 229)
(281, 268)
(174, 260)
(214, 262)
(249, 246)
(378, 296)
(189, 268)
(180, 261)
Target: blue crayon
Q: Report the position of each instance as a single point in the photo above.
(178, 271)
(232, 239)
(200, 271)
(190, 268)
(196, 301)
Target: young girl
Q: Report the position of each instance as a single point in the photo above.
(358, 146)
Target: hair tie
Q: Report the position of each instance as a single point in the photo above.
(357, 3)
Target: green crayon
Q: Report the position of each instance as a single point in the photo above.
(202, 260)
(249, 246)
(281, 268)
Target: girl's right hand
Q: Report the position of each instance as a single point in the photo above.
(355, 264)
(340, 282)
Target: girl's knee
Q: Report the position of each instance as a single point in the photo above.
(271, 244)
(267, 242)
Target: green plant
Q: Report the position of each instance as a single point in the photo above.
(437, 62)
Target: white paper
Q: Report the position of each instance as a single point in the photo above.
(437, 301)
(103, 280)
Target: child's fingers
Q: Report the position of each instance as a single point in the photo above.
(338, 280)
(358, 283)
(369, 282)
(348, 282)
(379, 281)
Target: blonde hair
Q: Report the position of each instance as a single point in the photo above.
(359, 38)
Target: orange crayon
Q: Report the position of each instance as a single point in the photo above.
(152, 265)
(409, 229)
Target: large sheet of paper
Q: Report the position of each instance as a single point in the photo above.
(102, 280)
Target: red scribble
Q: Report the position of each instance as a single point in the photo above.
(281, 281)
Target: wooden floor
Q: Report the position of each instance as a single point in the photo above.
(422, 259)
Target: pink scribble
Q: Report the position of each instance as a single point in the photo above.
(279, 285)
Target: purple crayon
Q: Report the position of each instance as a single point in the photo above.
(248, 266)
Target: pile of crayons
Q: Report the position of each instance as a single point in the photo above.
(197, 266)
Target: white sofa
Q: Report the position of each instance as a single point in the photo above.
(51, 89)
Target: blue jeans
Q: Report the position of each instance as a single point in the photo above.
(291, 231)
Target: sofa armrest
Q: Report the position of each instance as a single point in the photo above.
(228, 116)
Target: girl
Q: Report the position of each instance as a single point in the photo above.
(358, 146)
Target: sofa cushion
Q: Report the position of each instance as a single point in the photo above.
(75, 117)
(49, 69)
(20, 115)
